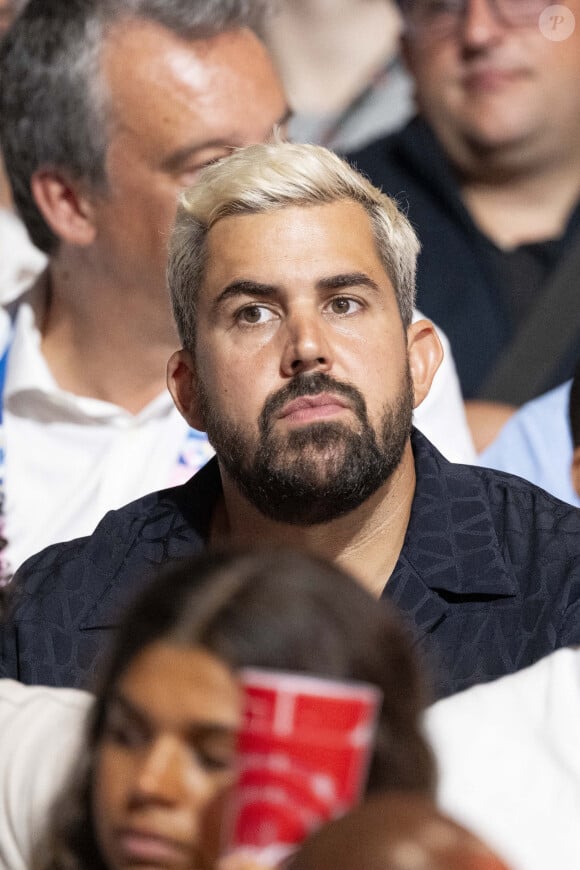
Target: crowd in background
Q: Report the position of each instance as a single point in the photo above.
(445, 166)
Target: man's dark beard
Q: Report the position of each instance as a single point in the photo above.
(320, 471)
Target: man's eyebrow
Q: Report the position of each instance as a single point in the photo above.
(177, 158)
(245, 287)
(347, 279)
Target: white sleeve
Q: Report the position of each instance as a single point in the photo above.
(509, 762)
(41, 730)
(441, 415)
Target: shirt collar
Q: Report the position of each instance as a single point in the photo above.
(451, 545)
(31, 385)
(451, 542)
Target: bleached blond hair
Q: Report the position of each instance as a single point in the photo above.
(267, 177)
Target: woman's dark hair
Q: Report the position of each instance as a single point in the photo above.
(280, 610)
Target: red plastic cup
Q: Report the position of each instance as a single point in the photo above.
(303, 756)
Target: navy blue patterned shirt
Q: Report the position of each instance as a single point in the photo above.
(488, 576)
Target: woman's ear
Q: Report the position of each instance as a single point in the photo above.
(65, 207)
(182, 384)
(425, 354)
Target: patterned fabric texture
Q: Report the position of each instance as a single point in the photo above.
(488, 577)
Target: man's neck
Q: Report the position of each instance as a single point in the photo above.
(367, 542)
(517, 195)
(523, 210)
(103, 342)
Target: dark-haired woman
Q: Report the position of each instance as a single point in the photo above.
(161, 739)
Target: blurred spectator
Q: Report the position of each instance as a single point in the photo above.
(20, 261)
(537, 443)
(339, 60)
(160, 746)
(395, 832)
(42, 730)
(491, 172)
(509, 761)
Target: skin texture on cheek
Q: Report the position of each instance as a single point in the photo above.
(164, 759)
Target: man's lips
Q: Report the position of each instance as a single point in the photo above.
(308, 408)
(149, 847)
(491, 78)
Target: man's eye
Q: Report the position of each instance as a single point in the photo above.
(344, 305)
(255, 314)
(188, 175)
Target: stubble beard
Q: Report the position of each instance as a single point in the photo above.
(319, 472)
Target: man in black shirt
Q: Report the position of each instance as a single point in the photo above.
(490, 170)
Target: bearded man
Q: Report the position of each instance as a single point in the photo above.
(292, 281)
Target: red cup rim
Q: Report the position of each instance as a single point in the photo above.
(308, 684)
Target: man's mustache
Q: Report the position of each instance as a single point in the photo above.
(311, 385)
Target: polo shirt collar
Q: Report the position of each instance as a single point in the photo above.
(31, 388)
(451, 550)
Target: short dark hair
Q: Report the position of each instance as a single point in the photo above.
(574, 407)
(53, 105)
(280, 610)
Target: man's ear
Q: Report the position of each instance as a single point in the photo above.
(65, 207)
(182, 384)
(425, 356)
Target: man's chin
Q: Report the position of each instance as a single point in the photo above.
(320, 436)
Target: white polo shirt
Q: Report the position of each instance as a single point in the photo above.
(20, 261)
(41, 731)
(509, 762)
(70, 459)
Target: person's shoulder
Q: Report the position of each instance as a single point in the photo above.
(536, 443)
(22, 703)
(42, 730)
(508, 759)
(141, 531)
(508, 496)
(65, 598)
(122, 523)
(540, 507)
(538, 420)
(524, 692)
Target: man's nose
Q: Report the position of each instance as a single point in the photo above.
(307, 344)
(481, 24)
